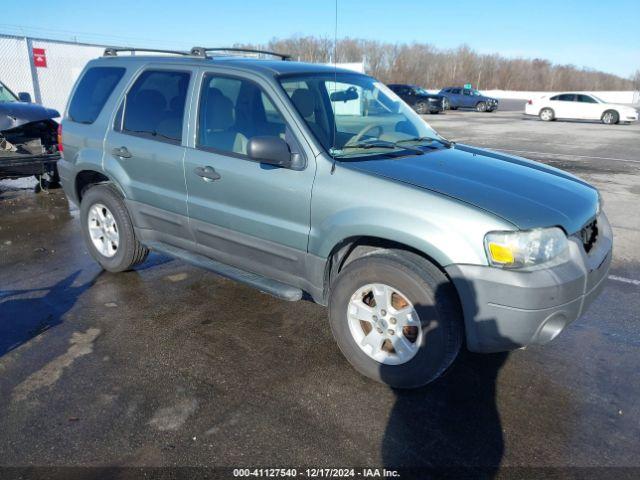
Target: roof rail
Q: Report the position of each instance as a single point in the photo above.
(113, 51)
(202, 52)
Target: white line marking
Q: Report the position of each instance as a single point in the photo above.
(625, 280)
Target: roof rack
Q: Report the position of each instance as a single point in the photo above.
(113, 51)
(202, 52)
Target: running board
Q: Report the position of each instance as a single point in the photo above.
(264, 284)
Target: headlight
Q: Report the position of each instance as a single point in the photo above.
(525, 248)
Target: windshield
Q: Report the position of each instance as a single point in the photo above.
(422, 91)
(353, 115)
(6, 95)
(597, 99)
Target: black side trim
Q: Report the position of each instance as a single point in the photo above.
(264, 284)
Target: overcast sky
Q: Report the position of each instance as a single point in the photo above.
(603, 35)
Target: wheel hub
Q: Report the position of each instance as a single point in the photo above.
(384, 324)
(103, 230)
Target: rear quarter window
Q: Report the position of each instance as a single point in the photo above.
(92, 93)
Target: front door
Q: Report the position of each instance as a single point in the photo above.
(589, 108)
(144, 151)
(242, 212)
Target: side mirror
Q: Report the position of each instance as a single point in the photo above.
(270, 150)
(24, 97)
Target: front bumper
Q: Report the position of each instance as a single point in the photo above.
(507, 309)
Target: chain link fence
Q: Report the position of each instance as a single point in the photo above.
(48, 78)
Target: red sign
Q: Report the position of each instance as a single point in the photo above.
(40, 57)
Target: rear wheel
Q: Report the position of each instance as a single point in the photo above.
(108, 231)
(610, 117)
(396, 318)
(546, 115)
(481, 107)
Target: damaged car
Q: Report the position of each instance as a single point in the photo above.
(28, 139)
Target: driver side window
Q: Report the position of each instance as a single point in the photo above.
(232, 111)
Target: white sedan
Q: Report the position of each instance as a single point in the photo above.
(580, 106)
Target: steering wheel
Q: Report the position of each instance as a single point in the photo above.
(355, 139)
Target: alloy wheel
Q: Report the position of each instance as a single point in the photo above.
(103, 230)
(384, 324)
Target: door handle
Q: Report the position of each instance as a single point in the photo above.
(121, 152)
(208, 174)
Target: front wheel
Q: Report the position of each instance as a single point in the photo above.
(396, 318)
(108, 231)
(481, 107)
(610, 117)
(422, 108)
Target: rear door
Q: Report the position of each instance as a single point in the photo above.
(455, 97)
(144, 151)
(564, 105)
(242, 212)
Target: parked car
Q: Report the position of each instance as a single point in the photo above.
(419, 99)
(459, 97)
(246, 167)
(28, 138)
(579, 106)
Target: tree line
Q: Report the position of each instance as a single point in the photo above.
(431, 67)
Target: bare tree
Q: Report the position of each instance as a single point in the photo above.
(426, 65)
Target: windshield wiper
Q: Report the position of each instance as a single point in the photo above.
(443, 141)
(379, 144)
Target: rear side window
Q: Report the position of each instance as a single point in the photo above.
(92, 93)
(455, 91)
(154, 107)
(566, 97)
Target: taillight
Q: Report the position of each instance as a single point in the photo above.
(530, 102)
(60, 148)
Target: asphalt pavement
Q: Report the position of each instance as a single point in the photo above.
(169, 365)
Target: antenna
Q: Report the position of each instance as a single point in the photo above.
(335, 83)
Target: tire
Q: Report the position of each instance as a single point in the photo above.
(445, 104)
(610, 117)
(547, 115)
(128, 251)
(422, 108)
(481, 107)
(453, 108)
(434, 302)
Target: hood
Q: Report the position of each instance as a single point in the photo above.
(525, 193)
(16, 114)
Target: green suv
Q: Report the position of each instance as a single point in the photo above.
(309, 181)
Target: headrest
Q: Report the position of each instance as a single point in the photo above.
(151, 100)
(303, 101)
(220, 115)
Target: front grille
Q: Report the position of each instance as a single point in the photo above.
(589, 235)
